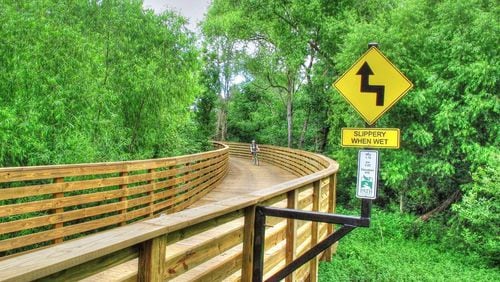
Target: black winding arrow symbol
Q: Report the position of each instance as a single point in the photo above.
(365, 71)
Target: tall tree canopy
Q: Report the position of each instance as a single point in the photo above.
(93, 80)
(449, 121)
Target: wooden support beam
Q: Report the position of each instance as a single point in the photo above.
(151, 194)
(291, 232)
(248, 234)
(124, 198)
(58, 210)
(313, 271)
(331, 209)
(152, 260)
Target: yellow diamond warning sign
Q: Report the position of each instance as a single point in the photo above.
(371, 137)
(373, 85)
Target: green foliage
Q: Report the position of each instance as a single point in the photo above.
(478, 215)
(206, 103)
(384, 253)
(448, 121)
(249, 118)
(93, 81)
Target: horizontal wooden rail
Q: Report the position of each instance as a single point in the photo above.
(50, 204)
(298, 162)
(207, 243)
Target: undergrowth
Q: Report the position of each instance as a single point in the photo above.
(384, 252)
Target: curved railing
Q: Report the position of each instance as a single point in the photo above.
(300, 163)
(45, 205)
(207, 243)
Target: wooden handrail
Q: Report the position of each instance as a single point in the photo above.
(216, 226)
(43, 205)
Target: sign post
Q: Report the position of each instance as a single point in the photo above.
(372, 85)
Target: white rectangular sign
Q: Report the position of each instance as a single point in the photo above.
(367, 174)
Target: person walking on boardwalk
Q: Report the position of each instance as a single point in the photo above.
(254, 150)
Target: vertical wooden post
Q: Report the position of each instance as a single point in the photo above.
(123, 199)
(247, 255)
(291, 232)
(331, 209)
(151, 193)
(151, 266)
(58, 210)
(313, 272)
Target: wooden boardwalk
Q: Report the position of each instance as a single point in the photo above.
(243, 177)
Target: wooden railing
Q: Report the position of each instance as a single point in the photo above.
(300, 163)
(44, 205)
(207, 243)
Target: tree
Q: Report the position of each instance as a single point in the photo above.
(93, 81)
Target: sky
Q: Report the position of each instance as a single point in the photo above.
(193, 10)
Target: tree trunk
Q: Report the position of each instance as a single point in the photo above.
(401, 202)
(324, 138)
(221, 129)
(304, 129)
(454, 197)
(224, 126)
(289, 119)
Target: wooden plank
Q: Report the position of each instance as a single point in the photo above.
(223, 266)
(205, 173)
(8, 210)
(199, 252)
(44, 262)
(43, 189)
(274, 257)
(94, 266)
(138, 201)
(197, 192)
(214, 175)
(13, 174)
(183, 188)
(29, 223)
(215, 269)
(152, 260)
(131, 215)
(44, 236)
(189, 228)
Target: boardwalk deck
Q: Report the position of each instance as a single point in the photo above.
(243, 177)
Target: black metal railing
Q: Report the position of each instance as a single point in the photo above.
(349, 223)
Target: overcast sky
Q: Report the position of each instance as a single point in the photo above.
(194, 10)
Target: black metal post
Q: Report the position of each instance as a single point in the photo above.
(366, 209)
(362, 221)
(366, 204)
(258, 244)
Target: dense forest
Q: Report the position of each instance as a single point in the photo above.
(290, 53)
(87, 81)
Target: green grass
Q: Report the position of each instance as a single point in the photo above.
(383, 253)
